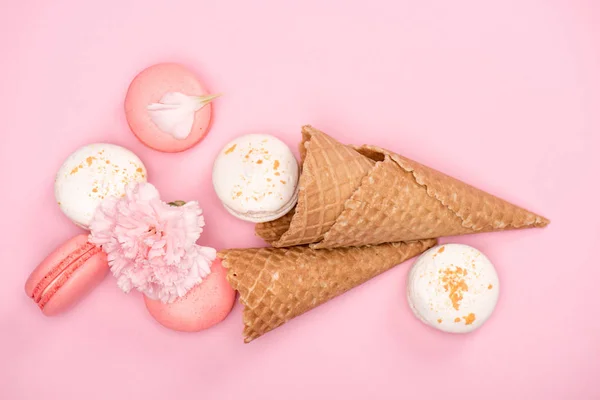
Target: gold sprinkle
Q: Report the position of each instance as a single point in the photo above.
(439, 321)
(277, 174)
(268, 179)
(456, 319)
(455, 285)
(276, 164)
(469, 319)
(74, 170)
(108, 161)
(95, 190)
(283, 182)
(89, 160)
(259, 162)
(441, 250)
(231, 149)
(490, 287)
(140, 170)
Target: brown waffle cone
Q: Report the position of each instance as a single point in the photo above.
(331, 172)
(278, 284)
(399, 199)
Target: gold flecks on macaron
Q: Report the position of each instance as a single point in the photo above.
(469, 319)
(231, 149)
(454, 284)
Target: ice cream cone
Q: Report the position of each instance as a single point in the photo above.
(278, 284)
(355, 196)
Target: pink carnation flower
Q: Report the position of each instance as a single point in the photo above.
(151, 245)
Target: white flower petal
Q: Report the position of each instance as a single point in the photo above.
(174, 113)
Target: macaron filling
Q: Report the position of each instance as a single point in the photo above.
(263, 216)
(58, 275)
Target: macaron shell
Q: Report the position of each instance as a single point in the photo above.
(453, 288)
(256, 177)
(52, 260)
(92, 173)
(207, 304)
(148, 87)
(61, 295)
(83, 280)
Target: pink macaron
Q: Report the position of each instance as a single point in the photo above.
(168, 108)
(67, 275)
(207, 304)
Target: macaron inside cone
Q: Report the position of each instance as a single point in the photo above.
(205, 305)
(66, 275)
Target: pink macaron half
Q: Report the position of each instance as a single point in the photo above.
(66, 275)
(147, 88)
(205, 305)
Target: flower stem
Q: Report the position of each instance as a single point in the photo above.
(208, 98)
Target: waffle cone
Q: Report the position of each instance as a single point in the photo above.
(331, 172)
(278, 284)
(383, 197)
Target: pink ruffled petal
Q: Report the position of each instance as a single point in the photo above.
(151, 245)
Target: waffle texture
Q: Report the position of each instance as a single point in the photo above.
(355, 196)
(278, 284)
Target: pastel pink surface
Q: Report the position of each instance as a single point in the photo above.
(87, 273)
(204, 306)
(504, 95)
(148, 87)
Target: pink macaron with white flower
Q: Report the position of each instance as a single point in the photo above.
(168, 108)
(151, 247)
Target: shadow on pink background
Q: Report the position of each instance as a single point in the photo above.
(504, 95)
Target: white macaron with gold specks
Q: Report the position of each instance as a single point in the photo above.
(92, 173)
(453, 288)
(256, 178)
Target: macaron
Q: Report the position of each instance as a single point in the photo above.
(91, 174)
(168, 108)
(205, 305)
(256, 178)
(66, 275)
(453, 288)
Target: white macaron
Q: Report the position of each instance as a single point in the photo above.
(256, 178)
(92, 173)
(453, 288)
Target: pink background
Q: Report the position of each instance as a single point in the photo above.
(505, 96)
